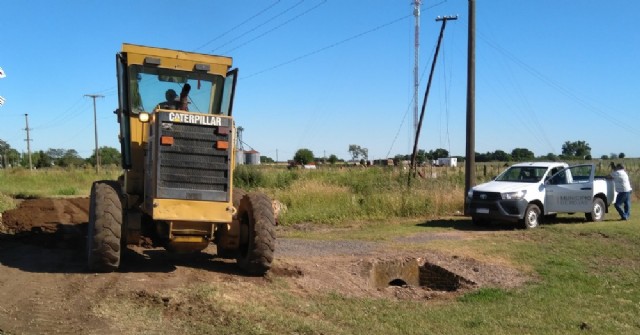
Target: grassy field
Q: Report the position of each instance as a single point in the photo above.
(588, 274)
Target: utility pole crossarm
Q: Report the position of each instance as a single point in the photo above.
(448, 17)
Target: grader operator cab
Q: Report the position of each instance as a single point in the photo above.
(178, 155)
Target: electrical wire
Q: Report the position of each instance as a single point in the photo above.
(69, 114)
(276, 27)
(260, 25)
(560, 88)
(293, 60)
(404, 117)
(238, 25)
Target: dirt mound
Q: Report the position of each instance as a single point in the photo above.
(45, 215)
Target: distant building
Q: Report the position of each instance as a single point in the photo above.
(449, 161)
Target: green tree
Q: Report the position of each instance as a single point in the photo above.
(421, 156)
(303, 156)
(483, 157)
(551, 157)
(577, 149)
(438, 153)
(333, 159)
(40, 160)
(70, 158)
(55, 154)
(501, 156)
(11, 157)
(522, 154)
(265, 159)
(4, 150)
(621, 155)
(108, 155)
(357, 151)
(354, 150)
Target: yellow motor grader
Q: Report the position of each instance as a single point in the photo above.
(178, 155)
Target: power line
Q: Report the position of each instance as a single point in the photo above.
(565, 91)
(276, 27)
(66, 115)
(260, 25)
(409, 105)
(237, 26)
(328, 47)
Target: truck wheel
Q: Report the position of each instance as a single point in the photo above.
(104, 231)
(531, 217)
(597, 211)
(257, 234)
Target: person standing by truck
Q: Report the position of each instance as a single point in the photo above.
(623, 187)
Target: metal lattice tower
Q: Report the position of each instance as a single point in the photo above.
(416, 67)
(239, 146)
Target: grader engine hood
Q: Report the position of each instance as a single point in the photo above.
(189, 155)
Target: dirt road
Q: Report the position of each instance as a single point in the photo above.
(45, 287)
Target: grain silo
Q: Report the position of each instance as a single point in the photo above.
(252, 157)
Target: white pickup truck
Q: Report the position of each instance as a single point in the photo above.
(527, 192)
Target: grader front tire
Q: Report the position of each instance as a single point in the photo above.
(257, 234)
(104, 232)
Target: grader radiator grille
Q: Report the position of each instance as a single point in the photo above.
(191, 167)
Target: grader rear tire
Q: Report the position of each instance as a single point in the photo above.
(257, 234)
(238, 194)
(222, 232)
(104, 232)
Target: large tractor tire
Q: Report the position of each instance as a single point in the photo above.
(238, 194)
(105, 231)
(257, 234)
(222, 232)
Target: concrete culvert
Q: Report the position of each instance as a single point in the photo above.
(397, 282)
(392, 272)
(413, 272)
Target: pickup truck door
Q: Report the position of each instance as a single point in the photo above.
(570, 190)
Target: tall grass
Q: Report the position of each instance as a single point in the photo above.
(335, 195)
(22, 183)
(329, 195)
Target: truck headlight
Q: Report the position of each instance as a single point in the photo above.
(470, 194)
(513, 195)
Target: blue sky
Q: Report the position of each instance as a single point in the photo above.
(323, 75)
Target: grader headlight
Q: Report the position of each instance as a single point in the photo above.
(144, 117)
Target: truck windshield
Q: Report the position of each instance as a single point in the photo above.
(149, 86)
(523, 174)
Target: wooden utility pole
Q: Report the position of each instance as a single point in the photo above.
(470, 162)
(95, 125)
(26, 119)
(426, 93)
